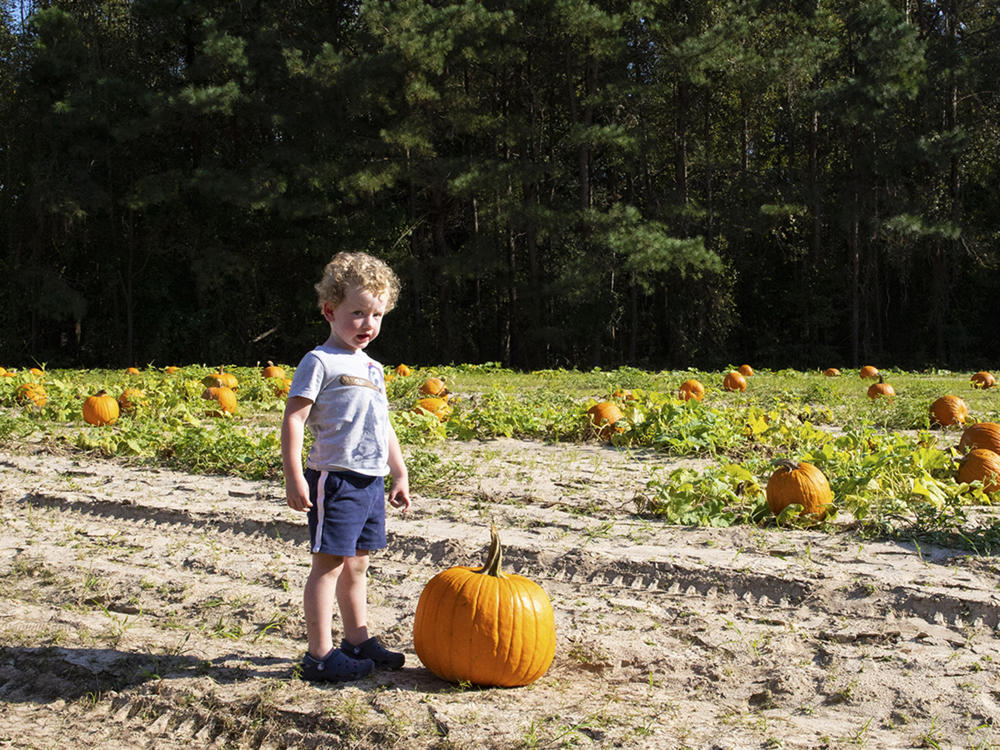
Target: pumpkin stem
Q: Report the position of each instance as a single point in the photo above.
(494, 557)
(788, 463)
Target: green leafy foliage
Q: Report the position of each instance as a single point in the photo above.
(890, 475)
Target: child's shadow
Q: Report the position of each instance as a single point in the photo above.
(42, 674)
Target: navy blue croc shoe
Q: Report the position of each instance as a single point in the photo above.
(336, 667)
(372, 650)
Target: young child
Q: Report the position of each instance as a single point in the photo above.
(338, 392)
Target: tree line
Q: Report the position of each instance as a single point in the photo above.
(558, 183)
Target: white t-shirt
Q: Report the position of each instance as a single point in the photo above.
(349, 418)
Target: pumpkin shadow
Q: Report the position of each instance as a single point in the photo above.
(46, 673)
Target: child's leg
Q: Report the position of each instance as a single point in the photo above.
(352, 596)
(318, 599)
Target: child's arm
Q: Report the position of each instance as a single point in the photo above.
(399, 494)
(292, 436)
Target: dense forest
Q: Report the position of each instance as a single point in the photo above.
(558, 183)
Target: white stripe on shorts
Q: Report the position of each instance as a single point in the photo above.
(320, 509)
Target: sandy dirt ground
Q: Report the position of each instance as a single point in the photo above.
(146, 608)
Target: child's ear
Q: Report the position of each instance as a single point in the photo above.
(328, 311)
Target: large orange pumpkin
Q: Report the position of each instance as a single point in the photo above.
(982, 465)
(982, 379)
(224, 396)
(798, 483)
(691, 389)
(868, 372)
(604, 418)
(981, 435)
(949, 410)
(483, 626)
(734, 381)
(100, 409)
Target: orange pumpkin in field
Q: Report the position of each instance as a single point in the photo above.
(220, 379)
(604, 418)
(100, 409)
(484, 626)
(691, 389)
(224, 396)
(132, 371)
(832, 372)
(981, 435)
(745, 370)
(982, 465)
(403, 371)
(31, 393)
(949, 410)
(868, 372)
(798, 483)
(272, 371)
(433, 405)
(734, 381)
(130, 400)
(433, 387)
(881, 389)
(982, 379)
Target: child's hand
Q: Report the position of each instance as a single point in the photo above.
(297, 494)
(399, 495)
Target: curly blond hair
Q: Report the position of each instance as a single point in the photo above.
(357, 269)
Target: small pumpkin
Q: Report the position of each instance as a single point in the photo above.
(745, 370)
(220, 379)
(403, 371)
(623, 394)
(131, 370)
(832, 372)
(433, 405)
(484, 626)
(434, 387)
(224, 396)
(982, 379)
(37, 372)
(33, 393)
(798, 483)
(100, 409)
(281, 386)
(982, 465)
(734, 381)
(881, 389)
(170, 369)
(273, 371)
(949, 410)
(981, 435)
(691, 389)
(130, 400)
(604, 419)
(869, 373)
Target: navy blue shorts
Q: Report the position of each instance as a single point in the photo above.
(351, 514)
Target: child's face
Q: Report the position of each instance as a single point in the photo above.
(357, 320)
